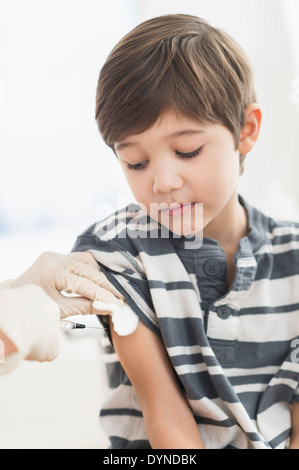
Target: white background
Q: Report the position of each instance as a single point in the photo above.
(57, 177)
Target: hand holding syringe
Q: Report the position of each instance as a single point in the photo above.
(54, 287)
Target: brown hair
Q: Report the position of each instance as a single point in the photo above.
(178, 63)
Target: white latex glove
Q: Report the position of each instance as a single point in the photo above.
(74, 273)
(30, 319)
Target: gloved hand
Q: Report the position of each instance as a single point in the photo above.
(74, 273)
(30, 319)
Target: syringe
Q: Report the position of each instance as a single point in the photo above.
(71, 325)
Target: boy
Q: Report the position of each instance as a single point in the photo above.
(210, 362)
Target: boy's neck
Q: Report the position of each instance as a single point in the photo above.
(229, 226)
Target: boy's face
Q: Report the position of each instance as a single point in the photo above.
(180, 161)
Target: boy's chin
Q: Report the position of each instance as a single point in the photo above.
(187, 225)
(183, 228)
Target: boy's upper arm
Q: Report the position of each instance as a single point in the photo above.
(145, 360)
(295, 417)
(168, 419)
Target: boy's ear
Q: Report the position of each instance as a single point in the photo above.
(251, 129)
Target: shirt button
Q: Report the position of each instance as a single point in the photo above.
(223, 312)
(212, 267)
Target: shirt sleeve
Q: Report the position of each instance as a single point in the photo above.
(126, 273)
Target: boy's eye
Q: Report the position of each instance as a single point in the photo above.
(142, 165)
(137, 166)
(191, 154)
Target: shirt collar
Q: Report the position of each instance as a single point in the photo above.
(257, 225)
(248, 245)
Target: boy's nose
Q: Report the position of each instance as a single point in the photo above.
(166, 180)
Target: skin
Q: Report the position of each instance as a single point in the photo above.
(159, 173)
(144, 358)
(163, 176)
(294, 442)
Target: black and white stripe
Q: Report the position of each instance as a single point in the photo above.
(237, 371)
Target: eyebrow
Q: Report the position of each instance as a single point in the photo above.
(123, 145)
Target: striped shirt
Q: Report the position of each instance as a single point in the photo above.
(234, 349)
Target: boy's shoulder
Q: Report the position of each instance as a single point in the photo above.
(283, 232)
(113, 228)
(270, 229)
(128, 229)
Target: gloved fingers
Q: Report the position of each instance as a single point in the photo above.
(85, 265)
(46, 352)
(95, 275)
(74, 306)
(80, 256)
(70, 306)
(73, 284)
(30, 319)
(102, 280)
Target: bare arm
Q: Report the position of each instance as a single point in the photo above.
(294, 444)
(168, 419)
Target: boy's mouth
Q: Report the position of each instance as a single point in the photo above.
(175, 209)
